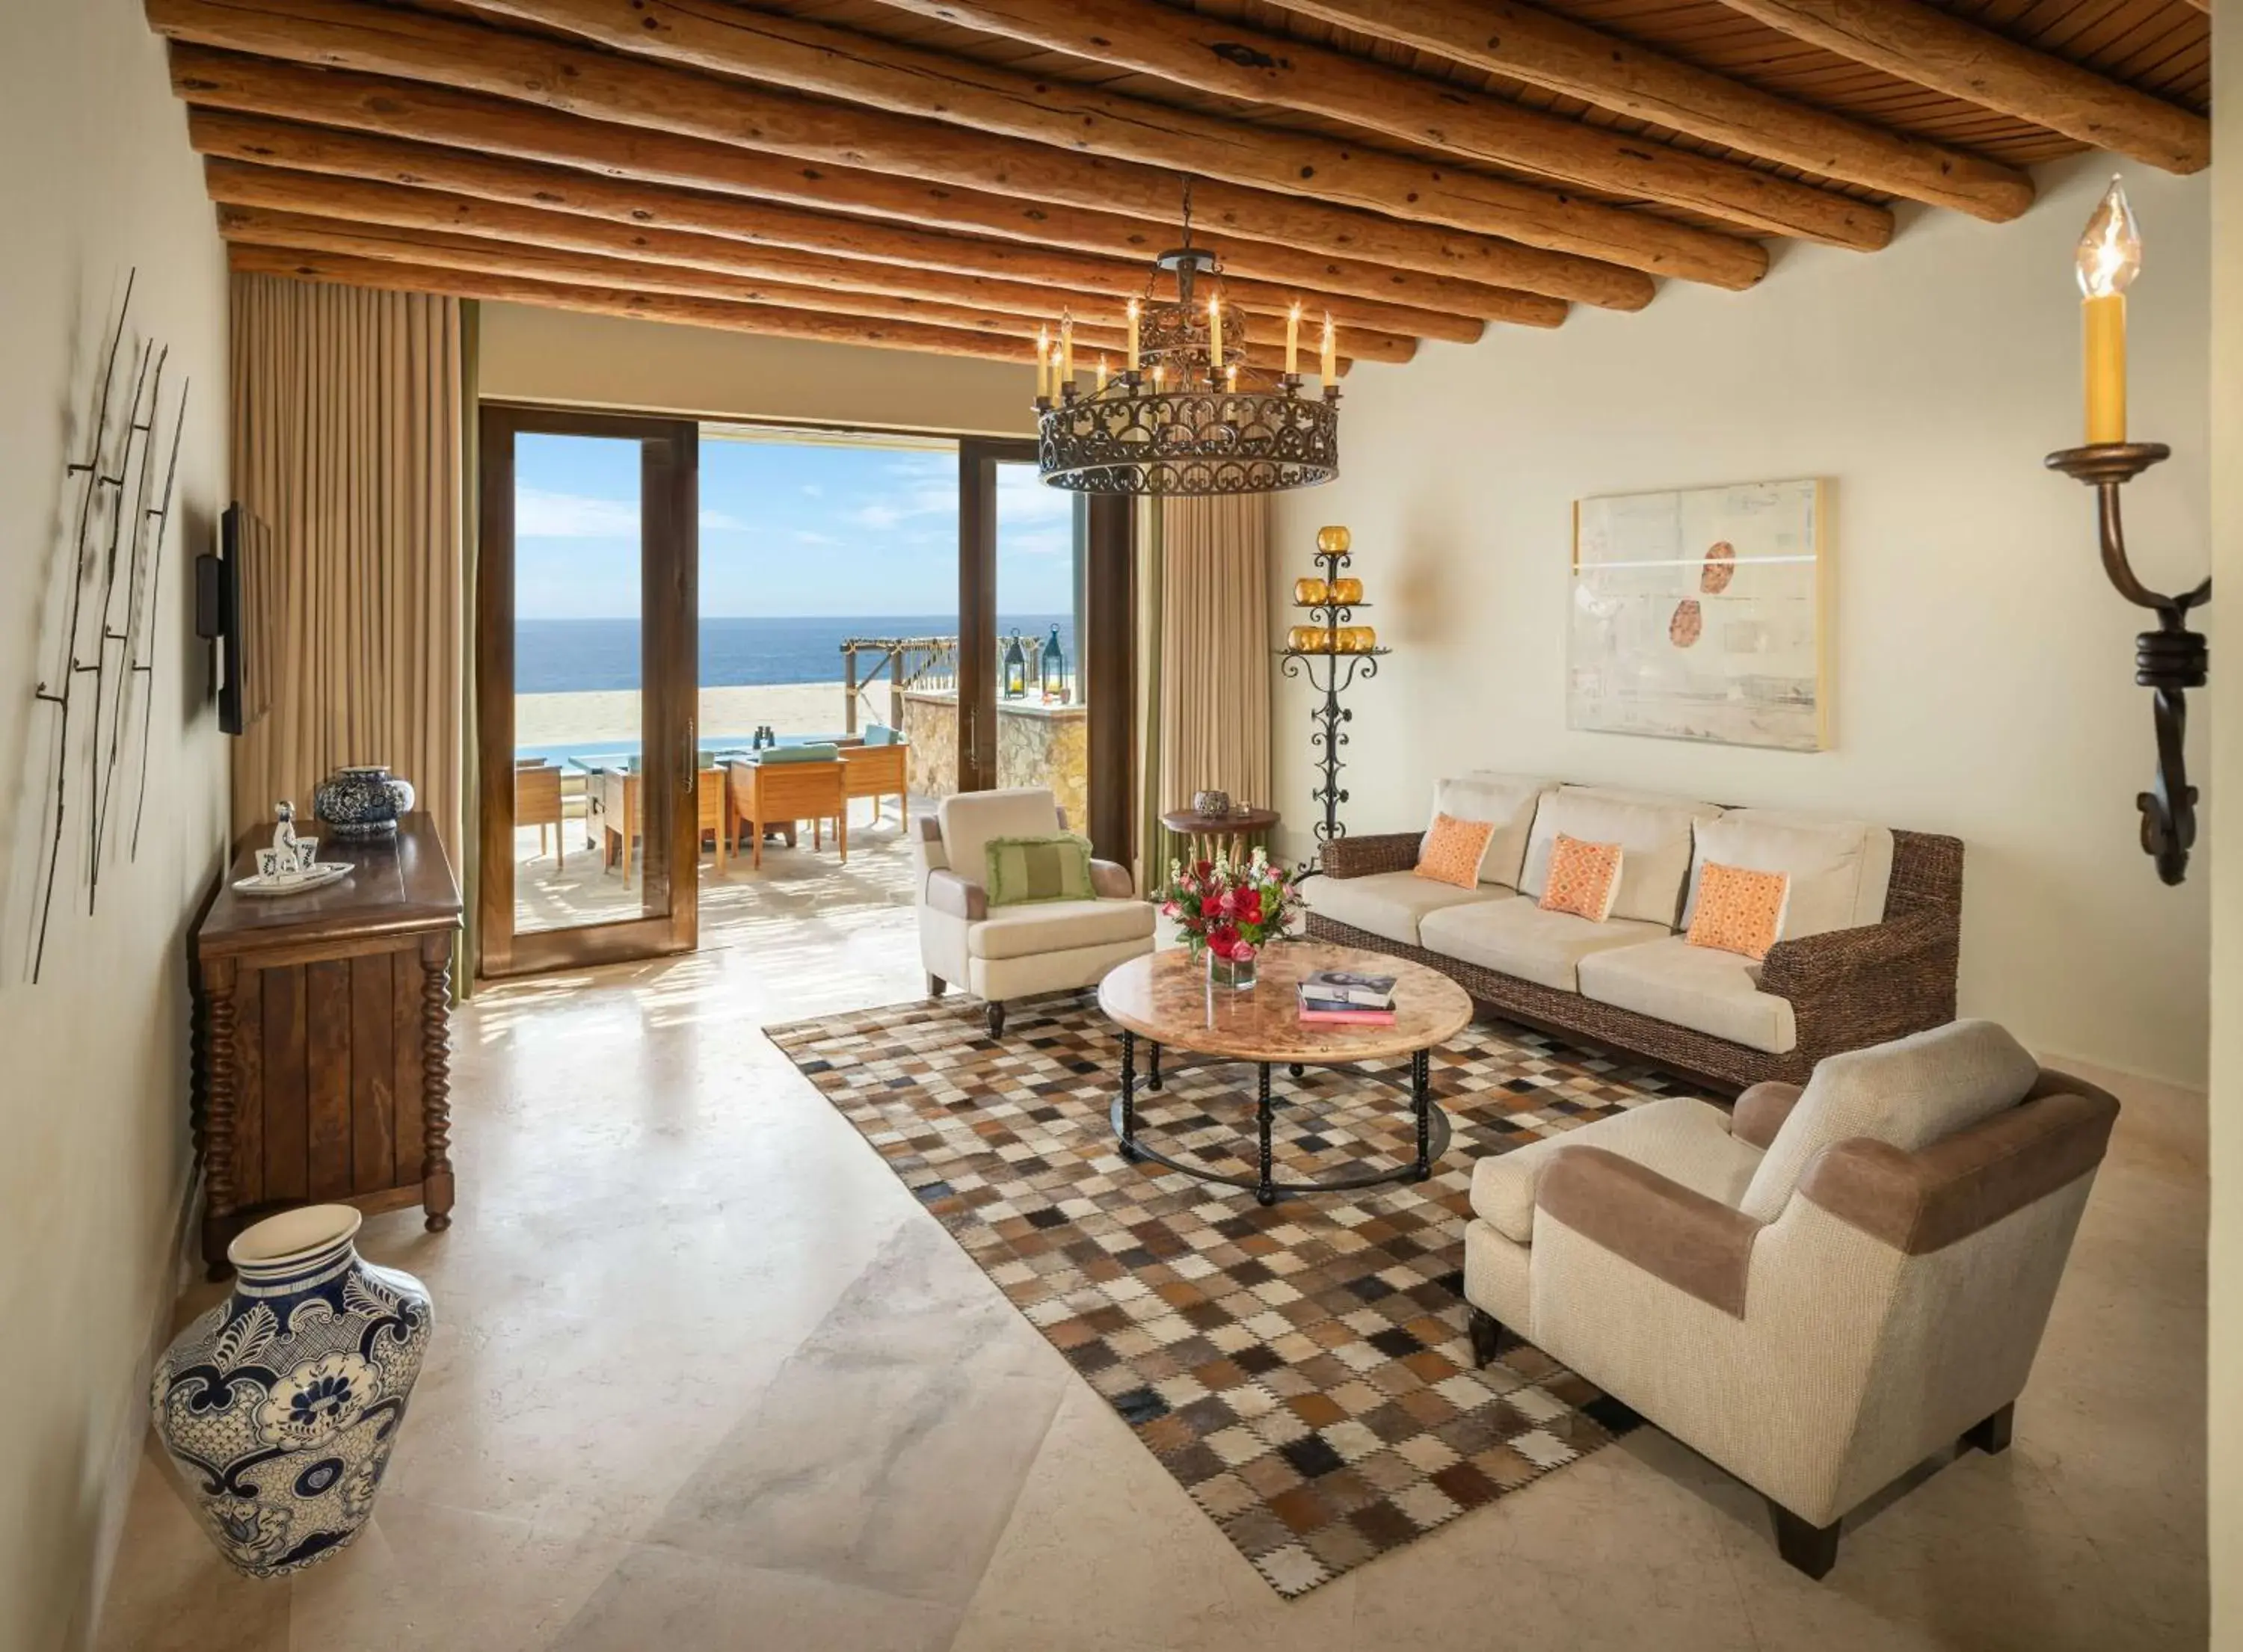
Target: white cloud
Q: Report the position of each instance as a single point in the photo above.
(724, 522)
(815, 490)
(808, 536)
(539, 513)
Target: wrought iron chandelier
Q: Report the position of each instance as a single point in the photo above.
(1195, 410)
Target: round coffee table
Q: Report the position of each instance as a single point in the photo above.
(1166, 998)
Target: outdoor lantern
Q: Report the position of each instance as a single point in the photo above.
(1016, 669)
(1055, 668)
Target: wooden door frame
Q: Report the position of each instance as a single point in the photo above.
(669, 507)
(1108, 642)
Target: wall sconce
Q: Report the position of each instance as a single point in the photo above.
(2173, 658)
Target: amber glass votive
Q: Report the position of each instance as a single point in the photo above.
(1345, 592)
(1332, 541)
(1308, 594)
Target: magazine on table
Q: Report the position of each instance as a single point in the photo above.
(1350, 988)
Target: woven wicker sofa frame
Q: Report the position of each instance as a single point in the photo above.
(1848, 989)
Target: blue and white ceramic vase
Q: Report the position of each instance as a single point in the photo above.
(362, 802)
(282, 1405)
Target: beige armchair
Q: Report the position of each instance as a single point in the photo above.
(1013, 951)
(1819, 1291)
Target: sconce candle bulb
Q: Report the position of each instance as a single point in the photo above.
(2109, 257)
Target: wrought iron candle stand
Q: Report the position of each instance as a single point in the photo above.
(2167, 660)
(1330, 670)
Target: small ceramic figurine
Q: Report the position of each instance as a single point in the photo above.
(283, 861)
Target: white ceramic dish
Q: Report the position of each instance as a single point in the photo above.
(322, 873)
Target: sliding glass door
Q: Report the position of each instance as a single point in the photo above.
(586, 670)
(1044, 639)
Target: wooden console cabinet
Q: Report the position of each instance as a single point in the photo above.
(321, 1038)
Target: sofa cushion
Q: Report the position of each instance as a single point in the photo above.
(968, 820)
(1710, 992)
(1026, 870)
(1683, 1138)
(1506, 801)
(1584, 878)
(1390, 904)
(1057, 926)
(1451, 850)
(1839, 868)
(1907, 1094)
(1737, 909)
(1515, 937)
(1654, 834)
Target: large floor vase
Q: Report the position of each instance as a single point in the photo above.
(282, 1405)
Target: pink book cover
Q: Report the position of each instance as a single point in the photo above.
(1354, 1018)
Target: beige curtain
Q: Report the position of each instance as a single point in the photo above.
(347, 443)
(1213, 691)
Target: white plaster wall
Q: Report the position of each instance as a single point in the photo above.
(2226, 1258)
(94, 177)
(1984, 666)
(570, 359)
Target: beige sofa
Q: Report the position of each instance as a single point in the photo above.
(1868, 951)
(1819, 1292)
(1014, 951)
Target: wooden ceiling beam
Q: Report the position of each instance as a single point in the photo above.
(524, 198)
(1917, 44)
(1217, 55)
(308, 264)
(907, 81)
(218, 84)
(656, 98)
(669, 260)
(1575, 60)
(305, 234)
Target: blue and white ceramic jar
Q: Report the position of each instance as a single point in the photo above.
(362, 802)
(282, 1405)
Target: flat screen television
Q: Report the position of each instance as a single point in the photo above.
(237, 598)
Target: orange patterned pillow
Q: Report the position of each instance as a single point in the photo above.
(1452, 850)
(1584, 878)
(1740, 910)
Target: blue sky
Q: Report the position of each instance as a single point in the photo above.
(786, 528)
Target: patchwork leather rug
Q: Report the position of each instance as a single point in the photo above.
(1302, 1370)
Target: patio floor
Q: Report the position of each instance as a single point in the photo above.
(741, 906)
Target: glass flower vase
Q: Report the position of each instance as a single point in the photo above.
(1237, 974)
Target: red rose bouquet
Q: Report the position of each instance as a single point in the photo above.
(1231, 912)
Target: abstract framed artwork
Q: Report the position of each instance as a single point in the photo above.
(1699, 613)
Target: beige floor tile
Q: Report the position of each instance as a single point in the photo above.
(423, 1578)
(663, 1600)
(169, 1591)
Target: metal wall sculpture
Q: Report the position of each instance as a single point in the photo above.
(119, 496)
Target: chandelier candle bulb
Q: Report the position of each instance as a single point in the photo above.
(1293, 340)
(1329, 365)
(1101, 373)
(2108, 259)
(1215, 335)
(1066, 349)
(1134, 312)
(1043, 356)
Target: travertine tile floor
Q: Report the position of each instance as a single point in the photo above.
(706, 1377)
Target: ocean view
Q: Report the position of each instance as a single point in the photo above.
(570, 656)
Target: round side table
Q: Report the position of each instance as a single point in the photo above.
(1229, 835)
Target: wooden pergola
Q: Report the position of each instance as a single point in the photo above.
(940, 175)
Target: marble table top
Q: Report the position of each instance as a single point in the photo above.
(1166, 997)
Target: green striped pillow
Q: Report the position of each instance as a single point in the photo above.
(1056, 868)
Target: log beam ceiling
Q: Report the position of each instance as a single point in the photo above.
(708, 163)
(570, 145)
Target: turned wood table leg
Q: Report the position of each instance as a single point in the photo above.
(436, 1189)
(224, 1097)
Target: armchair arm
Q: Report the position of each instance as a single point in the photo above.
(1110, 881)
(1695, 1244)
(947, 892)
(1760, 1112)
(1361, 856)
(1854, 987)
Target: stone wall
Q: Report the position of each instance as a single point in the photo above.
(1037, 745)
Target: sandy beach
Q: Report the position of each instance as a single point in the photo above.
(608, 715)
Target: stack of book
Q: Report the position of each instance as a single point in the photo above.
(1342, 998)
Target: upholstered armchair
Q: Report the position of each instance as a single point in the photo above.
(1002, 952)
(1818, 1291)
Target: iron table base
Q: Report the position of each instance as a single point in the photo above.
(1431, 1120)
